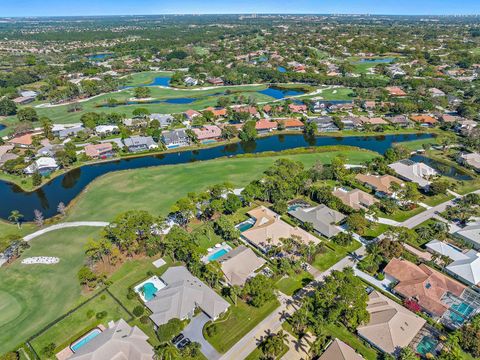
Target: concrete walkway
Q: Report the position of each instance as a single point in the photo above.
(384, 284)
(64, 226)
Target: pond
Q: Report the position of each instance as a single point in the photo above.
(66, 187)
(273, 92)
(281, 69)
(443, 169)
(375, 61)
(99, 56)
(2, 127)
(278, 93)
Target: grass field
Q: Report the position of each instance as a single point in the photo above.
(70, 328)
(401, 215)
(238, 321)
(342, 333)
(156, 189)
(333, 255)
(31, 296)
(145, 78)
(206, 98)
(290, 284)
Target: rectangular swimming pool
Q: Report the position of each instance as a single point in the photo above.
(427, 345)
(244, 226)
(75, 346)
(463, 309)
(218, 254)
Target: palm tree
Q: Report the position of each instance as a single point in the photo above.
(15, 217)
(166, 352)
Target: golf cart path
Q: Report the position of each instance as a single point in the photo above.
(64, 226)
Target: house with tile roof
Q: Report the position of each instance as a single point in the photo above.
(381, 184)
(338, 350)
(208, 132)
(356, 199)
(119, 341)
(323, 219)
(391, 326)
(180, 297)
(239, 264)
(268, 230)
(424, 285)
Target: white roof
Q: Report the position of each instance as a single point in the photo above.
(46, 162)
(467, 269)
(413, 171)
(105, 128)
(471, 233)
(446, 249)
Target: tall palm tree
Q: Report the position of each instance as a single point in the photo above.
(15, 217)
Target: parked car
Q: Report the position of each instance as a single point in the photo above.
(183, 343)
(178, 338)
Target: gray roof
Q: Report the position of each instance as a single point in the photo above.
(174, 136)
(139, 141)
(119, 342)
(471, 233)
(321, 217)
(164, 119)
(183, 293)
(70, 131)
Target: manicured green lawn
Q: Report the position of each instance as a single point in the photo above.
(157, 188)
(415, 145)
(401, 215)
(144, 78)
(342, 333)
(437, 199)
(9, 231)
(374, 230)
(290, 284)
(69, 329)
(333, 255)
(337, 94)
(238, 321)
(31, 296)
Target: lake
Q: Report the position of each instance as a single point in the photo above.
(66, 187)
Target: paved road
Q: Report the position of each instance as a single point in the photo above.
(64, 226)
(425, 215)
(273, 322)
(194, 332)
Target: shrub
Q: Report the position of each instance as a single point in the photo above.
(101, 315)
(138, 311)
(131, 294)
(90, 313)
(144, 319)
(212, 330)
(103, 297)
(49, 350)
(380, 276)
(167, 331)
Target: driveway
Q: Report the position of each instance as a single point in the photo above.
(193, 331)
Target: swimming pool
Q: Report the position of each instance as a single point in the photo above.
(426, 345)
(244, 226)
(75, 346)
(149, 291)
(463, 309)
(209, 141)
(218, 254)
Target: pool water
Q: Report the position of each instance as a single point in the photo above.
(426, 345)
(149, 290)
(217, 254)
(244, 226)
(85, 340)
(294, 207)
(464, 309)
(209, 141)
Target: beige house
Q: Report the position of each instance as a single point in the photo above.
(391, 326)
(381, 184)
(240, 264)
(119, 341)
(268, 230)
(356, 199)
(338, 350)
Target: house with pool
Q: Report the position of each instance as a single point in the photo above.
(391, 326)
(240, 264)
(441, 297)
(181, 295)
(118, 341)
(265, 229)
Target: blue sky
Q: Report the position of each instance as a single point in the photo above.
(131, 7)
